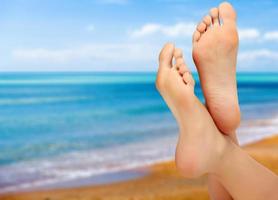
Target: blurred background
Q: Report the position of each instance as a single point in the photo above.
(77, 97)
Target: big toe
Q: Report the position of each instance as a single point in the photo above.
(166, 55)
(227, 12)
(165, 63)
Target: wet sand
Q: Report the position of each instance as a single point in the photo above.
(162, 182)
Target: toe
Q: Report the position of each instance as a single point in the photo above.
(196, 36)
(179, 62)
(188, 79)
(177, 53)
(214, 13)
(165, 63)
(208, 21)
(227, 12)
(178, 56)
(201, 27)
(182, 69)
(166, 55)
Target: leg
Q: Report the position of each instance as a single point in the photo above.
(201, 147)
(244, 177)
(214, 52)
(216, 189)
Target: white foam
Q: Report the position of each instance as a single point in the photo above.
(86, 164)
(254, 130)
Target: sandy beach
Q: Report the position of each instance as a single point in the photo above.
(162, 182)
(82, 115)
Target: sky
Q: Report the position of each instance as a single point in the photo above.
(123, 35)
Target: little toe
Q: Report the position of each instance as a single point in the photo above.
(208, 21)
(214, 13)
(196, 36)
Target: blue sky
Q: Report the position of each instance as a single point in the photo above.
(123, 35)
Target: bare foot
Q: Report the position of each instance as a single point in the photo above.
(200, 143)
(215, 48)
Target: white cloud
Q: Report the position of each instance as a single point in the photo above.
(181, 29)
(90, 28)
(258, 54)
(186, 29)
(101, 57)
(253, 34)
(117, 56)
(93, 52)
(271, 35)
(249, 34)
(147, 29)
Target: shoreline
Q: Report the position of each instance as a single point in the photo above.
(160, 180)
(124, 174)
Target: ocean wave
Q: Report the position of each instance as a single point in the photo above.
(257, 129)
(130, 117)
(79, 79)
(80, 165)
(76, 166)
(40, 100)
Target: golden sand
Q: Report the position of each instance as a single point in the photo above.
(163, 182)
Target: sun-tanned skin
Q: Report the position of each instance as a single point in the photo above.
(214, 53)
(201, 147)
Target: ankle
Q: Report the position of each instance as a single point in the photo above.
(224, 151)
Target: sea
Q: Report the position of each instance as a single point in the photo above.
(59, 128)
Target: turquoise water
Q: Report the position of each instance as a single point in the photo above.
(56, 127)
